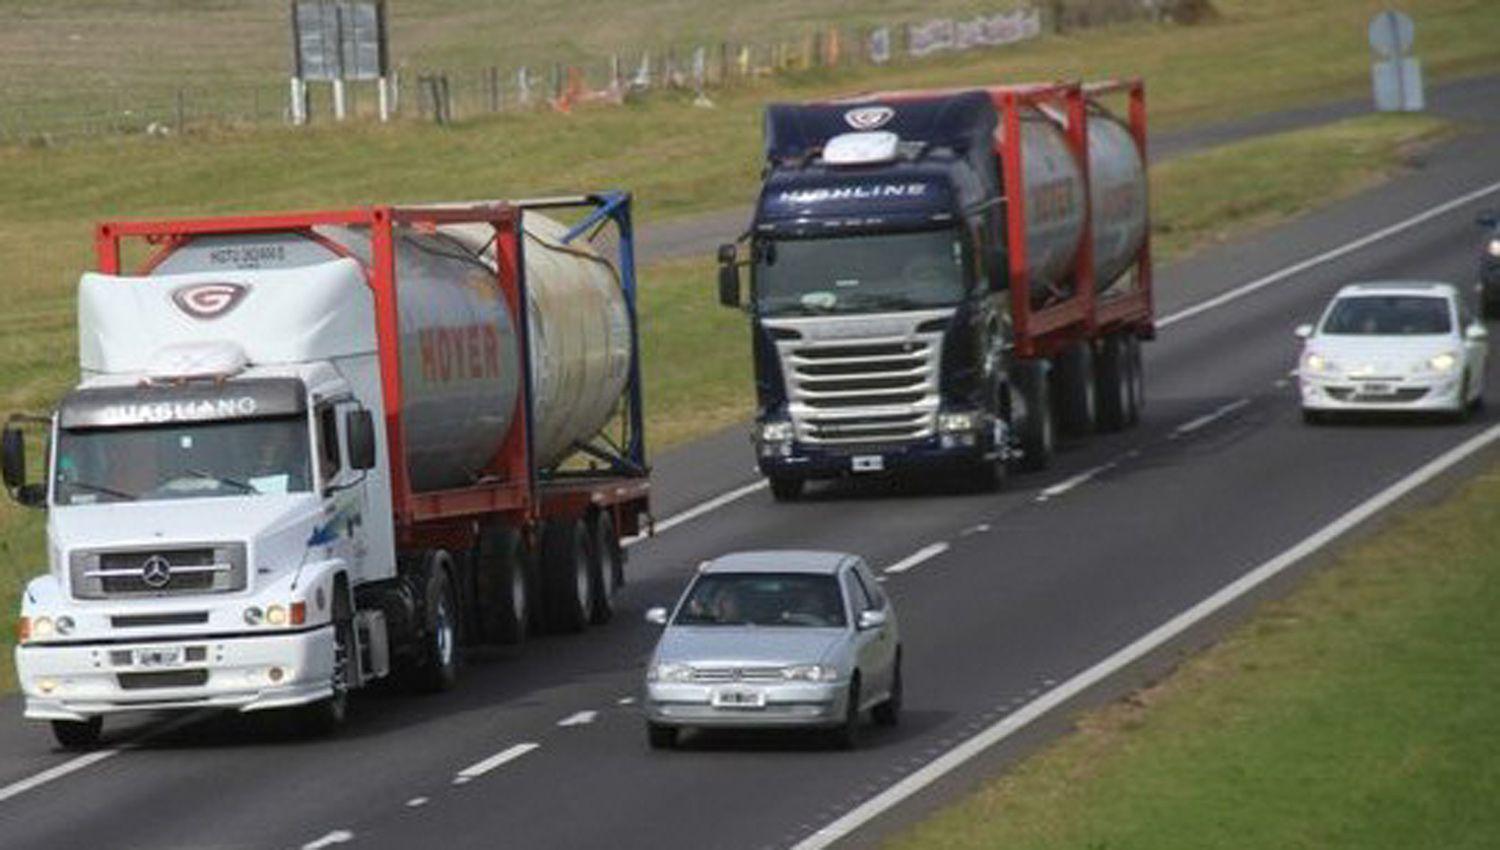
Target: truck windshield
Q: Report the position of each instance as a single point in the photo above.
(859, 274)
(182, 461)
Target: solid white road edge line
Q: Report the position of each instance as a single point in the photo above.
(1327, 256)
(1208, 418)
(480, 768)
(1144, 645)
(924, 554)
(700, 509)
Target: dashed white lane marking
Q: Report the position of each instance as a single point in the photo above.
(416, 802)
(1281, 383)
(926, 553)
(480, 768)
(582, 718)
(1208, 418)
(975, 529)
(1078, 480)
(626, 701)
(1327, 256)
(1142, 646)
(338, 836)
(700, 509)
(73, 765)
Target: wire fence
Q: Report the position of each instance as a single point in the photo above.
(445, 95)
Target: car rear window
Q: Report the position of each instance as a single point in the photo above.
(763, 599)
(1388, 315)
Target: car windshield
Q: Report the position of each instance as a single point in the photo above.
(859, 274)
(1388, 315)
(182, 461)
(763, 599)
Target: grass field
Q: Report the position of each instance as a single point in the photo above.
(1360, 712)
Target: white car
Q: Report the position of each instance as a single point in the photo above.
(1393, 346)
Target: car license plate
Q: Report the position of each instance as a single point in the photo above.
(159, 656)
(738, 698)
(1376, 389)
(867, 463)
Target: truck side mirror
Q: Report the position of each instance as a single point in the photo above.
(359, 426)
(729, 277)
(13, 447)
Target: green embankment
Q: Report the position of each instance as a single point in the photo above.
(1360, 712)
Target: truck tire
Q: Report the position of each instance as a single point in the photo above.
(327, 716)
(1036, 429)
(1113, 380)
(504, 579)
(436, 667)
(566, 577)
(661, 736)
(1137, 377)
(786, 489)
(78, 734)
(605, 567)
(1073, 389)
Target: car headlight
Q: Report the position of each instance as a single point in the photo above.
(809, 673)
(671, 673)
(1317, 364)
(1443, 362)
(1493, 248)
(776, 432)
(952, 423)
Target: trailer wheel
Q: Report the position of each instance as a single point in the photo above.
(503, 575)
(1114, 384)
(436, 669)
(1137, 377)
(605, 566)
(1035, 426)
(1074, 390)
(78, 734)
(785, 488)
(566, 575)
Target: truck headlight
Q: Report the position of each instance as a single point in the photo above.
(954, 423)
(1443, 362)
(779, 431)
(42, 628)
(809, 673)
(276, 615)
(671, 673)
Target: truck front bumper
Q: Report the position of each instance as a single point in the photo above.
(928, 456)
(241, 672)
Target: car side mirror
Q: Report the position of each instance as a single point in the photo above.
(1303, 331)
(13, 448)
(359, 427)
(656, 616)
(1476, 333)
(871, 620)
(729, 276)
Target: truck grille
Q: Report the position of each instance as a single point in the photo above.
(123, 574)
(865, 391)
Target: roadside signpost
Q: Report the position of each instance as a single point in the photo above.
(336, 41)
(1397, 76)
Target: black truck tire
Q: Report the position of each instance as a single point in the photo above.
(436, 666)
(503, 573)
(1114, 384)
(78, 734)
(605, 567)
(1137, 376)
(785, 488)
(1074, 390)
(1036, 429)
(567, 579)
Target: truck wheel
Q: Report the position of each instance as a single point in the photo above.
(1074, 390)
(1114, 388)
(78, 734)
(437, 663)
(566, 575)
(326, 716)
(1036, 429)
(1137, 377)
(786, 489)
(605, 557)
(504, 585)
(660, 736)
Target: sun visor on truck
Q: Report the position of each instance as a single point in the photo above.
(315, 312)
(958, 121)
(164, 404)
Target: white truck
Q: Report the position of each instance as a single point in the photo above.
(309, 451)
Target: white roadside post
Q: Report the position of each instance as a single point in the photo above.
(1397, 77)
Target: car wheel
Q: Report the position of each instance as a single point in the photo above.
(846, 734)
(327, 716)
(1314, 417)
(785, 489)
(660, 736)
(888, 713)
(78, 734)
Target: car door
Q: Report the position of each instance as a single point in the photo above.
(880, 642)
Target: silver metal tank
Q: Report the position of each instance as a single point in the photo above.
(460, 344)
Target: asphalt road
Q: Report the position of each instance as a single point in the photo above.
(1039, 582)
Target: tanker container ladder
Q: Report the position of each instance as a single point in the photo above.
(942, 282)
(312, 451)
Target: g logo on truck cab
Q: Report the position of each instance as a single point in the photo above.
(209, 300)
(869, 117)
(156, 572)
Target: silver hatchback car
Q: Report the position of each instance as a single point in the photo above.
(775, 639)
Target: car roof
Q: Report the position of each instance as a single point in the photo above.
(1400, 287)
(779, 561)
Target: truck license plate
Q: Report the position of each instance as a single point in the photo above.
(867, 463)
(738, 698)
(159, 656)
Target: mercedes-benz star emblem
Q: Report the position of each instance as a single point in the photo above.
(156, 571)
